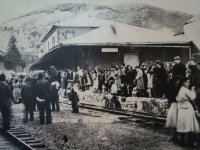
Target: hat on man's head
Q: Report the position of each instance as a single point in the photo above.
(177, 58)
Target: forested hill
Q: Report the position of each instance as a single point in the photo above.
(30, 28)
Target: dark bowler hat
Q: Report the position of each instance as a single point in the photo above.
(177, 58)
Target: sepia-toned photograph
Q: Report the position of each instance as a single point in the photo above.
(99, 74)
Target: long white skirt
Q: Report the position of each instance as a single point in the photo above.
(171, 121)
(16, 94)
(187, 121)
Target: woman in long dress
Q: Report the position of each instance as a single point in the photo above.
(139, 79)
(94, 75)
(117, 75)
(16, 91)
(186, 120)
(171, 121)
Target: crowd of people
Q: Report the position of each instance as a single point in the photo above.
(176, 81)
(144, 81)
(36, 92)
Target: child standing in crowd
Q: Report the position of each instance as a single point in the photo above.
(114, 101)
(186, 120)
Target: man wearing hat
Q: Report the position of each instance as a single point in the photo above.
(179, 69)
(5, 103)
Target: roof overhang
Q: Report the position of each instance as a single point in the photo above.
(146, 44)
(61, 46)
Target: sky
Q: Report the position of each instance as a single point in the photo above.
(14, 8)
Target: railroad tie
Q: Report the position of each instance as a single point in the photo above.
(37, 145)
(27, 138)
(23, 135)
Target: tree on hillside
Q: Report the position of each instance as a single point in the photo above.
(1, 58)
(13, 58)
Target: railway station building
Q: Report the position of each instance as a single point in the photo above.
(96, 42)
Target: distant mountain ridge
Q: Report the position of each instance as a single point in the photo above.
(30, 28)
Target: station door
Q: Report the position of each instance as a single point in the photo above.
(131, 59)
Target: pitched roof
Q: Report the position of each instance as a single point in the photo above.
(121, 33)
(80, 21)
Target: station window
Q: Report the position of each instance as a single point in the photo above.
(69, 35)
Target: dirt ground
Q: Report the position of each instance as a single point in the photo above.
(91, 130)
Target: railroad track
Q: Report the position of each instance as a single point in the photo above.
(7, 144)
(138, 117)
(21, 139)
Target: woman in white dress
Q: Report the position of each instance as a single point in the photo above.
(94, 75)
(16, 91)
(186, 120)
(171, 120)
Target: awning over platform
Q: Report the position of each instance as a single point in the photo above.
(59, 56)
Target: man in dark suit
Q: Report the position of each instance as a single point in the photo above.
(28, 96)
(43, 92)
(5, 101)
(179, 69)
(159, 80)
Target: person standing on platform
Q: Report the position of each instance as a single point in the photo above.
(139, 80)
(171, 120)
(5, 101)
(55, 86)
(43, 92)
(159, 80)
(83, 81)
(66, 79)
(187, 123)
(73, 97)
(179, 69)
(114, 102)
(28, 96)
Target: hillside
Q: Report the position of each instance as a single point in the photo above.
(30, 28)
